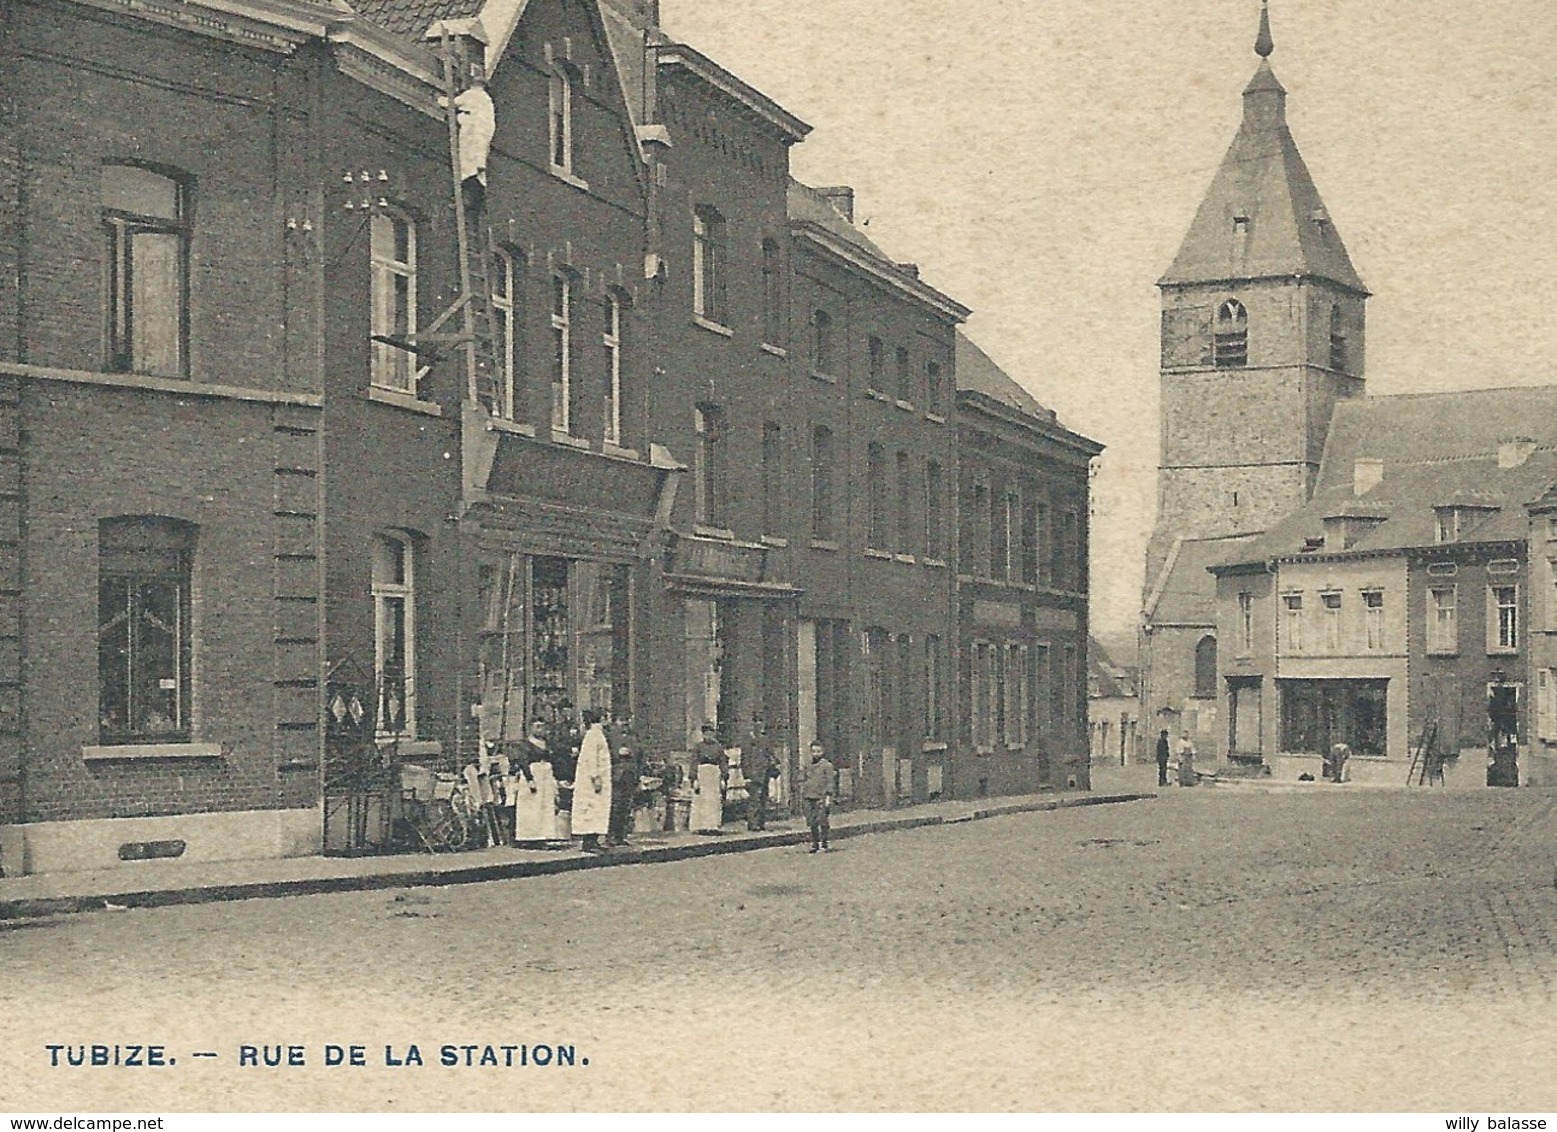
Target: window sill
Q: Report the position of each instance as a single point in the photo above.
(937, 418)
(703, 530)
(1502, 652)
(402, 400)
(518, 428)
(908, 406)
(621, 453)
(1443, 652)
(877, 395)
(567, 176)
(827, 377)
(569, 440)
(823, 544)
(908, 558)
(776, 351)
(711, 326)
(152, 751)
(884, 555)
(775, 541)
(938, 563)
(932, 747)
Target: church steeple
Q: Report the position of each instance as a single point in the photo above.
(1263, 216)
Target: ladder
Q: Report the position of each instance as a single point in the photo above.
(478, 332)
(1422, 758)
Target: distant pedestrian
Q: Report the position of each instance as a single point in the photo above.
(1186, 761)
(760, 768)
(1164, 753)
(624, 780)
(711, 766)
(817, 791)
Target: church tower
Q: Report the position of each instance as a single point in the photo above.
(1262, 333)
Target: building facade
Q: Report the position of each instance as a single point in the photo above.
(273, 488)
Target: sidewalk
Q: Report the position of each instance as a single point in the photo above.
(150, 884)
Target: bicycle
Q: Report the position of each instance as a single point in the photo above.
(437, 811)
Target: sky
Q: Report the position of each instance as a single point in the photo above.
(1041, 160)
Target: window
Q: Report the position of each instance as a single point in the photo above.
(1546, 704)
(1230, 338)
(561, 353)
(144, 567)
(1317, 714)
(1045, 547)
(506, 332)
(1337, 340)
(1014, 708)
(822, 342)
(772, 479)
(986, 695)
(876, 534)
(934, 707)
(710, 255)
(1505, 619)
(1331, 604)
(1442, 634)
(1373, 619)
(611, 344)
(560, 120)
(935, 396)
(875, 365)
(822, 484)
(1071, 573)
(1446, 526)
(934, 546)
(905, 505)
(393, 250)
(394, 634)
(996, 530)
(1011, 519)
(1293, 605)
(1245, 623)
(1030, 544)
(905, 376)
(1205, 668)
(145, 216)
(708, 465)
(772, 294)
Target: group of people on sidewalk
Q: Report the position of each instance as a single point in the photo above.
(1186, 759)
(603, 763)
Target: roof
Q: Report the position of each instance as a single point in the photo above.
(812, 214)
(977, 371)
(1185, 592)
(733, 87)
(1105, 677)
(413, 17)
(1405, 503)
(1264, 182)
(1416, 427)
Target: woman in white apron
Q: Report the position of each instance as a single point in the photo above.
(710, 765)
(534, 789)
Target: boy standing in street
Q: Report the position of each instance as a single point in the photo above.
(817, 792)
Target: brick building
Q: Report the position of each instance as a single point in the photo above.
(708, 470)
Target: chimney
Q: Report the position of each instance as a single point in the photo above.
(1513, 452)
(841, 197)
(909, 269)
(1367, 474)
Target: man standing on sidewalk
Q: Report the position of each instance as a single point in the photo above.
(817, 792)
(1164, 752)
(759, 767)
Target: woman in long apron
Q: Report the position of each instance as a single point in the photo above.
(534, 789)
(592, 785)
(708, 784)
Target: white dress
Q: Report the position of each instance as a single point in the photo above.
(535, 811)
(707, 804)
(591, 807)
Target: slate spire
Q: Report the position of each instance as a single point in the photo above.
(1263, 43)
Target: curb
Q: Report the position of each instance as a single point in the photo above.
(39, 907)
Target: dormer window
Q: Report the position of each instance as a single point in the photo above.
(1446, 526)
(1230, 341)
(560, 119)
(1337, 340)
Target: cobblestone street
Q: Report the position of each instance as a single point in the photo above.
(1211, 949)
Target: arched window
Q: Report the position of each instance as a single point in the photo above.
(144, 565)
(1337, 340)
(145, 214)
(822, 342)
(1205, 668)
(1230, 341)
